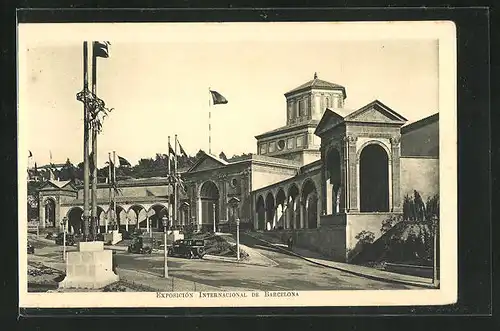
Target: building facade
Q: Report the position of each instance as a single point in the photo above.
(324, 177)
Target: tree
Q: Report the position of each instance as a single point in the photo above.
(222, 156)
(413, 238)
(68, 171)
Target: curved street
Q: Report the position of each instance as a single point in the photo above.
(291, 273)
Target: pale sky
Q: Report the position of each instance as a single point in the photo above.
(161, 88)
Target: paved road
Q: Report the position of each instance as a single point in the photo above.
(291, 273)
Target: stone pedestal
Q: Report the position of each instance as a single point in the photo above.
(113, 237)
(91, 267)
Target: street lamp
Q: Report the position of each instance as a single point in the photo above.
(165, 222)
(64, 221)
(234, 202)
(435, 226)
(213, 208)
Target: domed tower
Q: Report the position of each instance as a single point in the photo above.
(309, 100)
(305, 107)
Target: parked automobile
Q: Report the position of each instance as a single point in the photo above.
(70, 239)
(188, 248)
(50, 235)
(31, 248)
(141, 245)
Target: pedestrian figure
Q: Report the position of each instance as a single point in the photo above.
(290, 242)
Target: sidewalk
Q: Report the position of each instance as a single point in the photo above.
(156, 283)
(357, 270)
(145, 280)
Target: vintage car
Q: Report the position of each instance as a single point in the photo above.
(70, 239)
(31, 248)
(141, 245)
(188, 248)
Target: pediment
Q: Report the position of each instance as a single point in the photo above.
(60, 186)
(375, 112)
(49, 186)
(206, 162)
(329, 120)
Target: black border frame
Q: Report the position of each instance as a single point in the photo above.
(475, 281)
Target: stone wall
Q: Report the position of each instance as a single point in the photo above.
(328, 241)
(265, 176)
(421, 138)
(421, 174)
(356, 223)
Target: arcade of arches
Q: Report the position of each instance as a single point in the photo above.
(134, 217)
(290, 207)
(336, 187)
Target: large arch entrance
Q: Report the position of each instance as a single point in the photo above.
(310, 197)
(75, 223)
(261, 213)
(50, 213)
(333, 181)
(374, 179)
(209, 195)
(270, 211)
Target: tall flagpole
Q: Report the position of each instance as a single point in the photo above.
(175, 182)
(209, 124)
(115, 218)
(110, 189)
(94, 149)
(86, 192)
(169, 176)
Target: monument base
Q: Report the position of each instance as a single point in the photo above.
(89, 268)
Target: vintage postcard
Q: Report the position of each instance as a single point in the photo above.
(237, 164)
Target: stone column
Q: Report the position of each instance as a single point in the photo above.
(352, 185)
(306, 212)
(318, 208)
(395, 167)
(286, 224)
(344, 174)
(303, 220)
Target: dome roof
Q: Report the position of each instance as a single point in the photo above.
(317, 83)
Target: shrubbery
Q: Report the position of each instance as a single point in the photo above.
(410, 237)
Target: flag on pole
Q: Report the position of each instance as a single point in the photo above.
(183, 152)
(30, 155)
(101, 49)
(170, 150)
(123, 162)
(217, 98)
(50, 154)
